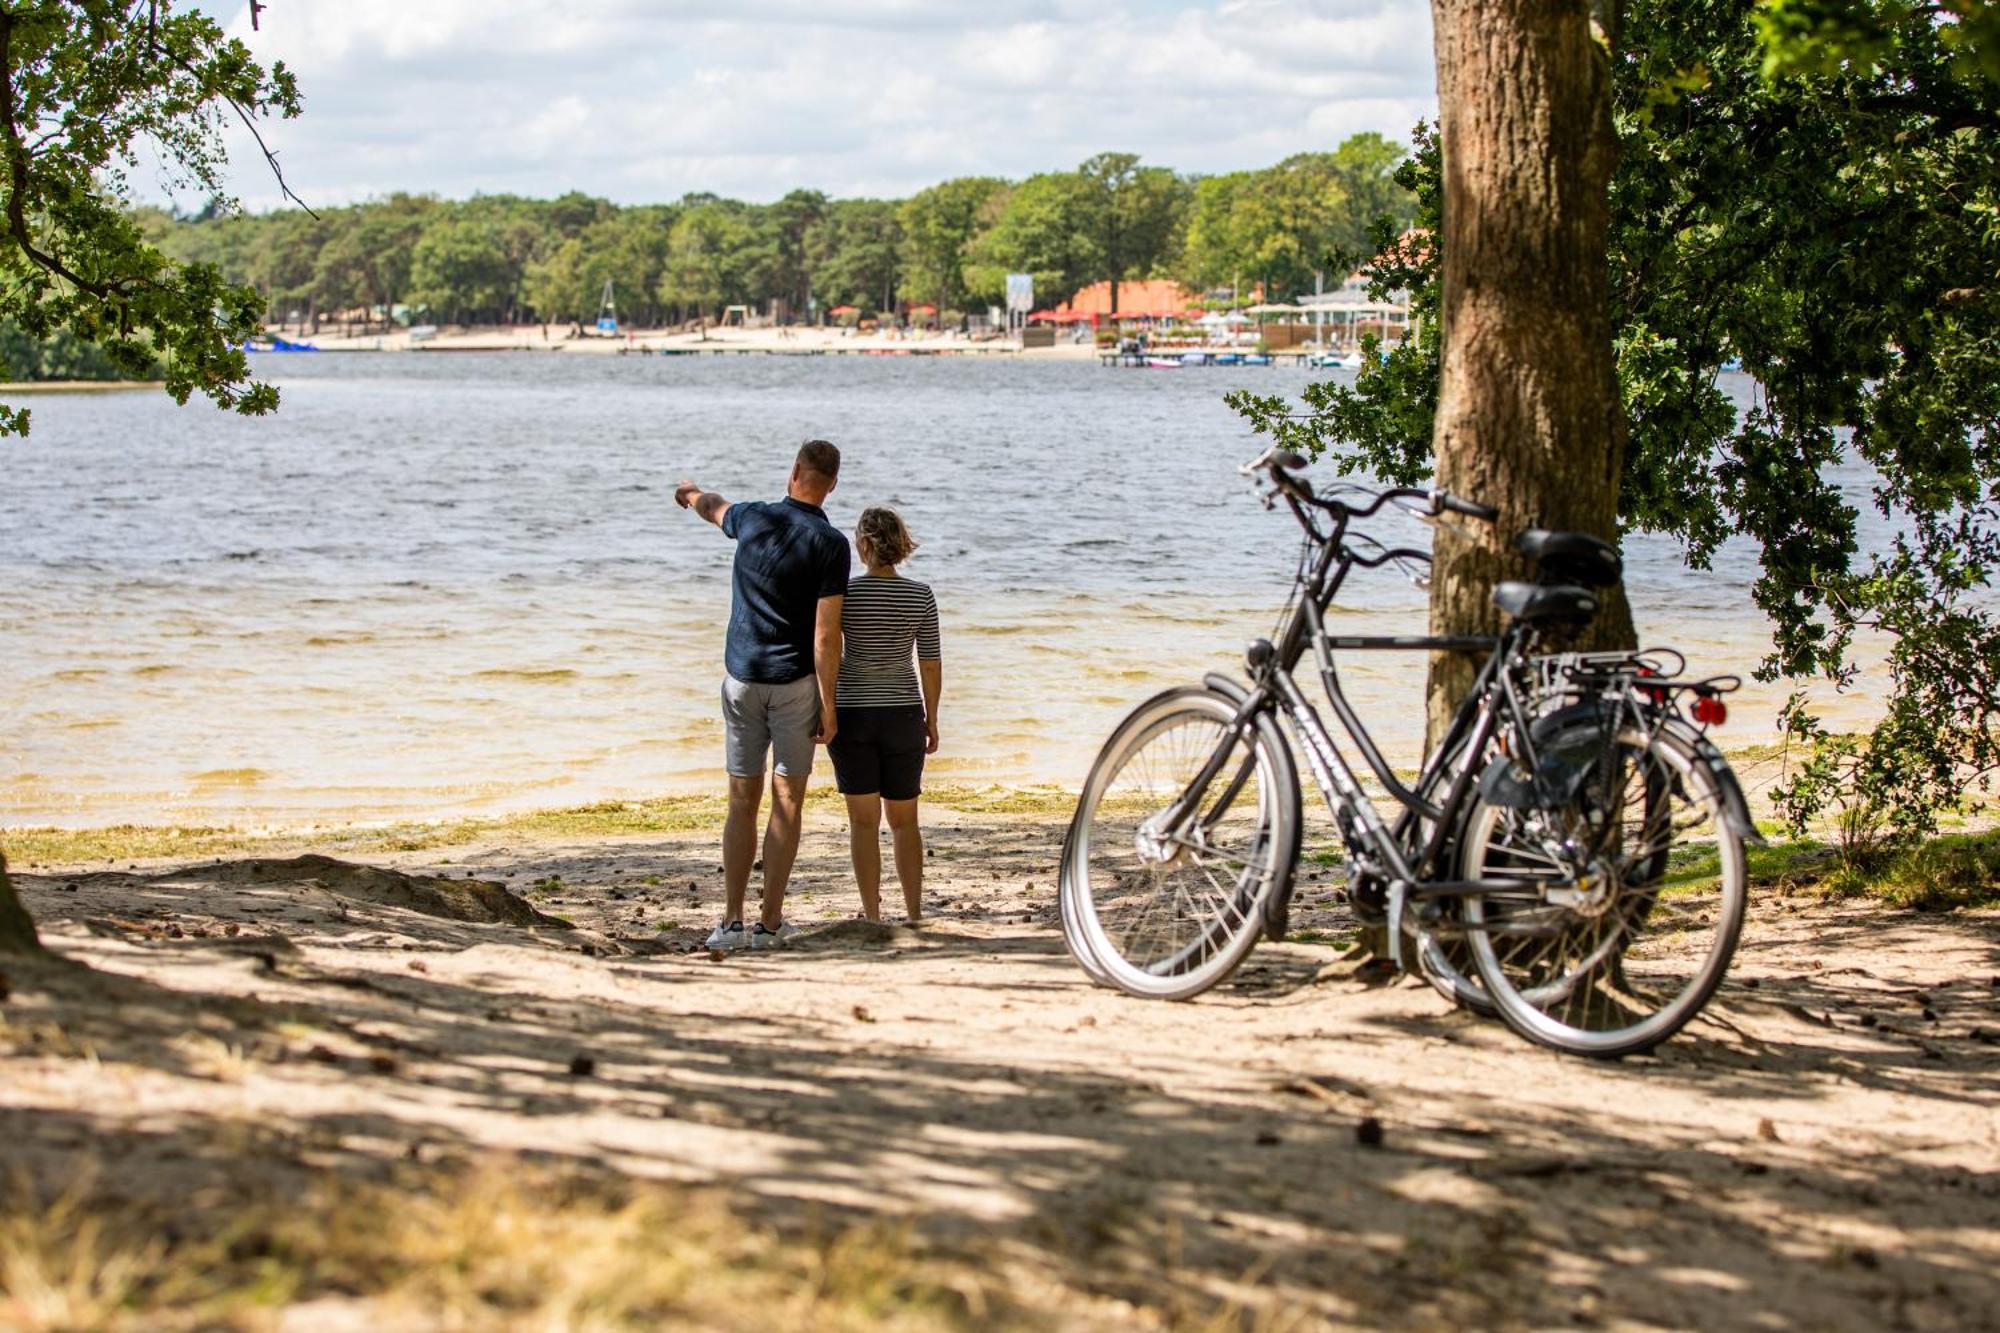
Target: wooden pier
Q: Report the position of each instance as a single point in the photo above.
(1207, 356)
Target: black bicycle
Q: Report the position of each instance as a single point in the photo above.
(1569, 857)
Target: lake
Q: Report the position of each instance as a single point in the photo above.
(436, 584)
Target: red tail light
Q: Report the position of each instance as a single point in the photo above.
(1710, 711)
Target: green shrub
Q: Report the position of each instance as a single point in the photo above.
(64, 356)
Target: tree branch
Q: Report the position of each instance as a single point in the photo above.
(17, 167)
(271, 158)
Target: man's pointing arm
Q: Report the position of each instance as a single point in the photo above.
(705, 503)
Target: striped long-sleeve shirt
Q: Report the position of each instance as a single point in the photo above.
(882, 620)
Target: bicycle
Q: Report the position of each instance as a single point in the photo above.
(1547, 865)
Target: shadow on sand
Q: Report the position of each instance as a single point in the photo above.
(334, 1029)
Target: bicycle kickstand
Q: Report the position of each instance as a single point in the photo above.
(1398, 897)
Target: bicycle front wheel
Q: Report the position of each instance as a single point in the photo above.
(1165, 880)
(1613, 955)
(1079, 948)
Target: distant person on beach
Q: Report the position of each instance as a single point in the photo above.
(782, 657)
(891, 674)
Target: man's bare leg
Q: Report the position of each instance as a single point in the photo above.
(864, 840)
(739, 843)
(909, 854)
(781, 843)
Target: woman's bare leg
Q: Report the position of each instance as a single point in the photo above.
(909, 854)
(864, 841)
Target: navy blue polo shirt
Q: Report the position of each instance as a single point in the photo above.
(787, 558)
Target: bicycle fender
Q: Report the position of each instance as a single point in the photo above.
(1735, 806)
(1226, 685)
(1278, 908)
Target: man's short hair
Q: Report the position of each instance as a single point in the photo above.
(821, 457)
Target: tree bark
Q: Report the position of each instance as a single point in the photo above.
(1529, 418)
(17, 930)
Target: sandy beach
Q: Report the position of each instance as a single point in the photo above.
(1306, 1147)
(796, 341)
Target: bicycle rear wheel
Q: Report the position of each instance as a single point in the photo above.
(1615, 959)
(1164, 899)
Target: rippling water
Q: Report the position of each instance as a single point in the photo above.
(435, 583)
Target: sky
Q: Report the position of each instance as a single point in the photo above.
(646, 100)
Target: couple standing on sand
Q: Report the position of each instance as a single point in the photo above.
(815, 657)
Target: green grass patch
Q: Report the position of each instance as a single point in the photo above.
(39, 848)
(1044, 799)
(1697, 867)
(1338, 939)
(1954, 871)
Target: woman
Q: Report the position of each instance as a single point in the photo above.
(891, 673)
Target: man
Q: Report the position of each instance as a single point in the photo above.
(783, 660)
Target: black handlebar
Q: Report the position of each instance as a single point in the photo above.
(1286, 467)
(1469, 508)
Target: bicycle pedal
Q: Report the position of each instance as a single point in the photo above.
(1367, 912)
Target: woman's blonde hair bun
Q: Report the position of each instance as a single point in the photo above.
(882, 538)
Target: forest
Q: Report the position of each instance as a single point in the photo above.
(506, 259)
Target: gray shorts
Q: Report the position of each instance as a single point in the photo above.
(779, 719)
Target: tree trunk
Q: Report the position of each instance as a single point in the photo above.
(1528, 418)
(17, 931)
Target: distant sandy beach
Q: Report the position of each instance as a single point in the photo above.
(801, 341)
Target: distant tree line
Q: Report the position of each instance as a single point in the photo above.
(501, 258)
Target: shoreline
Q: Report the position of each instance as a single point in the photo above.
(808, 341)
(78, 386)
(38, 847)
(63, 847)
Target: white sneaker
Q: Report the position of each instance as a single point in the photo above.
(762, 938)
(730, 935)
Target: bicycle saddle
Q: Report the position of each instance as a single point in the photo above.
(1545, 604)
(1572, 557)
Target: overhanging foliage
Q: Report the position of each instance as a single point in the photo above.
(1836, 230)
(87, 87)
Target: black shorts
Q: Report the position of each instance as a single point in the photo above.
(880, 750)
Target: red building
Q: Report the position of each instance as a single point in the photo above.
(1157, 298)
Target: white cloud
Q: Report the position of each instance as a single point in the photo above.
(640, 100)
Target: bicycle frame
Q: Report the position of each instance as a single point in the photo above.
(1410, 870)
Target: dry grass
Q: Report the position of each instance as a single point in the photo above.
(500, 1246)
